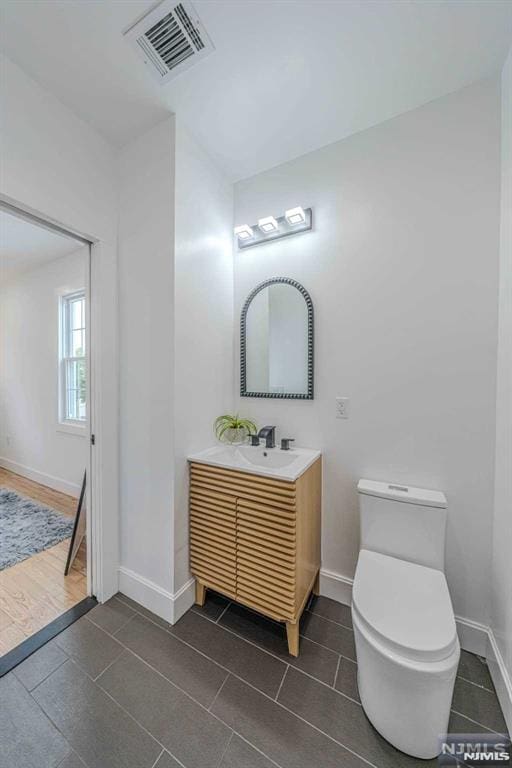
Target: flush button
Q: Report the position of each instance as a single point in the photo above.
(402, 488)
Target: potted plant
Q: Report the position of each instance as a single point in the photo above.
(233, 429)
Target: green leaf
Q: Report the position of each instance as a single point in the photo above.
(225, 422)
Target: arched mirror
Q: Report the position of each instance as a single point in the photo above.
(276, 341)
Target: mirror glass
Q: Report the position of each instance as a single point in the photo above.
(277, 355)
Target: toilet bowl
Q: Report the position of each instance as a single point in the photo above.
(404, 628)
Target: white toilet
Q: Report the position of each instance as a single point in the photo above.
(405, 634)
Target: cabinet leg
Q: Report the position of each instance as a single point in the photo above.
(200, 593)
(292, 633)
(316, 585)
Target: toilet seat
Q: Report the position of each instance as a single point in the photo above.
(406, 606)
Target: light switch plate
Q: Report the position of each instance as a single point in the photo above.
(342, 407)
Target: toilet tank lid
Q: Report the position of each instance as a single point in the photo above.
(398, 492)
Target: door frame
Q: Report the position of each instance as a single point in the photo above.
(99, 581)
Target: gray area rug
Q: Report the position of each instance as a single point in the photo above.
(27, 527)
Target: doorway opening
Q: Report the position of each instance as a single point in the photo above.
(45, 432)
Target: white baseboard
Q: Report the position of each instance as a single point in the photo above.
(336, 586)
(472, 636)
(170, 607)
(57, 483)
(500, 677)
(183, 599)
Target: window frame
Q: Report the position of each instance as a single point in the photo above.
(65, 424)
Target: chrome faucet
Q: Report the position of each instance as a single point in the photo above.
(269, 433)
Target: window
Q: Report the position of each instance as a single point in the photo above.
(73, 370)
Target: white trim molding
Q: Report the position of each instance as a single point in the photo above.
(167, 605)
(500, 677)
(57, 483)
(183, 599)
(336, 586)
(72, 428)
(103, 399)
(472, 636)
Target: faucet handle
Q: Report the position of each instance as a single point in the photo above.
(285, 443)
(254, 439)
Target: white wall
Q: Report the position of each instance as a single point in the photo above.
(55, 164)
(31, 442)
(146, 321)
(500, 650)
(402, 270)
(203, 318)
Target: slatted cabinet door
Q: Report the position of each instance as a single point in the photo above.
(213, 537)
(266, 558)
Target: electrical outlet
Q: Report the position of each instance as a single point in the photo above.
(342, 407)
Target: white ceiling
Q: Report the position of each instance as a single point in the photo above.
(25, 246)
(287, 76)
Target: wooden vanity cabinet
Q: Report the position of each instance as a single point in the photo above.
(256, 540)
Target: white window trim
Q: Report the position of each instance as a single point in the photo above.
(67, 426)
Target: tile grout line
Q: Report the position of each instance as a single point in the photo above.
(44, 678)
(47, 716)
(310, 639)
(168, 752)
(332, 621)
(279, 704)
(161, 623)
(104, 630)
(219, 719)
(266, 696)
(234, 634)
(208, 709)
(336, 673)
(117, 703)
(483, 687)
(243, 738)
(225, 749)
(222, 613)
(281, 683)
(461, 714)
(95, 679)
(73, 753)
(249, 642)
(198, 703)
(114, 634)
(168, 628)
(185, 693)
(269, 653)
(158, 758)
(341, 693)
(244, 682)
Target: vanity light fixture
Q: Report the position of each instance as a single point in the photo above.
(295, 221)
(268, 225)
(244, 232)
(295, 216)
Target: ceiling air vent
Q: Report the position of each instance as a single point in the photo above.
(170, 39)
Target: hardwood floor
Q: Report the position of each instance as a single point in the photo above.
(35, 591)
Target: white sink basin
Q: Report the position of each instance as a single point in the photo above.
(271, 462)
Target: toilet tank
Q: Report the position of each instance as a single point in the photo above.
(404, 522)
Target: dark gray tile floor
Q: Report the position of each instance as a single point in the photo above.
(122, 689)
